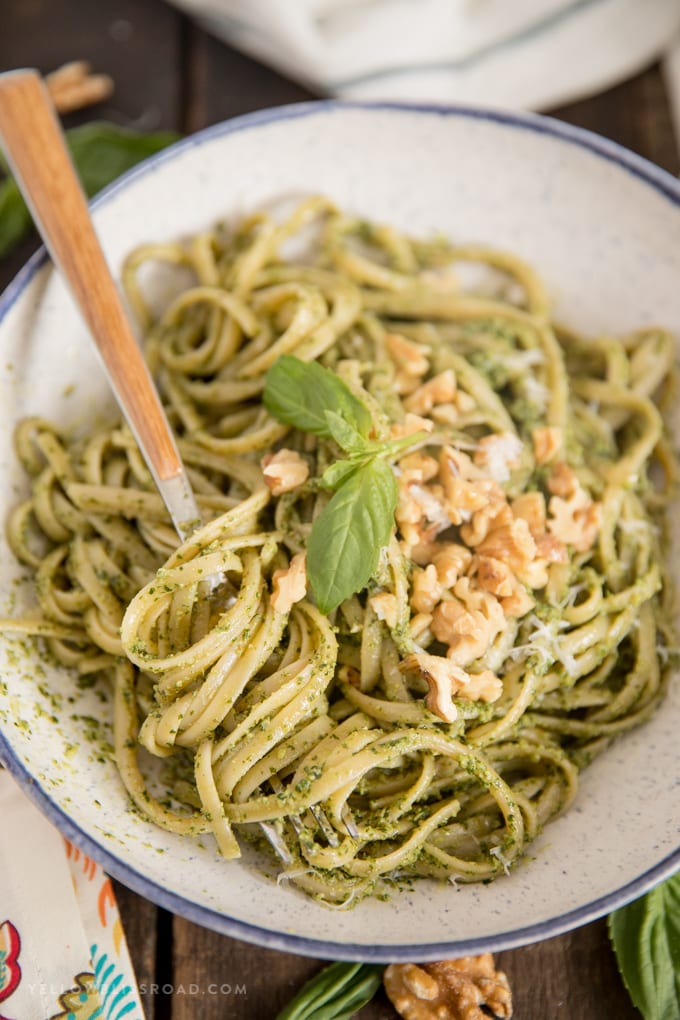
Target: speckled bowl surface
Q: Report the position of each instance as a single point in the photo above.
(603, 226)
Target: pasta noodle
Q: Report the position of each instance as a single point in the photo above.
(518, 617)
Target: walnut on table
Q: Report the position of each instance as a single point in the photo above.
(469, 988)
(73, 86)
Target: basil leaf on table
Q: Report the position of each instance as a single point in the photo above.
(335, 993)
(101, 152)
(347, 537)
(299, 393)
(15, 219)
(646, 939)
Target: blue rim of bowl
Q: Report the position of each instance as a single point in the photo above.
(662, 182)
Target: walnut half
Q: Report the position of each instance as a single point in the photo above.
(466, 989)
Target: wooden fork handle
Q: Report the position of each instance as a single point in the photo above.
(35, 148)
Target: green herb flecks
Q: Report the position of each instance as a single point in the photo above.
(348, 535)
(337, 992)
(646, 939)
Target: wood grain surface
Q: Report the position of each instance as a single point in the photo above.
(170, 74)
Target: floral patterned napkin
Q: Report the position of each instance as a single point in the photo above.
(63, 954)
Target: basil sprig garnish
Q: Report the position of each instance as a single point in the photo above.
(646, 939)
(299, 393)
(347, 536)
(336, 993)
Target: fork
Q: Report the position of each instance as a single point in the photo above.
(36, 151)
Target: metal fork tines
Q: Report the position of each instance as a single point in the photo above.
(317, 814)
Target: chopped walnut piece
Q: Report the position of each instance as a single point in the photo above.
(495, 576)
(421, 513)
(465, 402)
(73, 86)
(469, 988)
(530, 506)
(562, 480)
(575, 518)
(466, 490)
(457, 464)
(498, 454)
(385, 605)
(422, 552)
(512, 543)
(548, 441)
(426, 589)
(419, 625)
(420, 510)
(445, 679)
(450, 413)
(575, 521)
(409, 357)
(552, 549)
(412, 423)
(519, 603)
(468, 623)
(441, 676)
(290, 585)
(451, 561)
(404, 384)
(417, 467)
(440, 389)
(413, 992)
(494, 513)
(284, 470)
(483, 686)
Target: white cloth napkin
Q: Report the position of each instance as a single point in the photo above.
(672, 76)
(63, 954)
(528, 54)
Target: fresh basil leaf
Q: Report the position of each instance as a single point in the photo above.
(366, 983)
(346, 538)
(345, 435)
(15, 219)
(646, 939)
(338, 472)
(395, 446)
(101, 152)
(336, 993)
(299, 393)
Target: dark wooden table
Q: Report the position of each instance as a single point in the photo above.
(170, 74)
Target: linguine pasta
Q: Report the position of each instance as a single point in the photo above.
(516, 621)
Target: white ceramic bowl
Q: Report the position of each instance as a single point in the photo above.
(603, 226)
